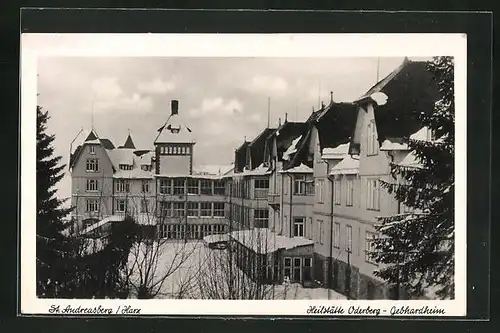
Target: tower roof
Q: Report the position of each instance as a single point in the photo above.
(175, 129)
(128, 143)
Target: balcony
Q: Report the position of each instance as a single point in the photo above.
(273, 199)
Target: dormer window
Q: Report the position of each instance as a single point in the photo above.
(92, 150)
(126, 167)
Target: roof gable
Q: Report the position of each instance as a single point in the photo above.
(410, 92)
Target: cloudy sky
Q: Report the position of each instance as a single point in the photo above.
(223, 100)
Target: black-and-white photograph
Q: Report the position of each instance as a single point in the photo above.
(245, 178)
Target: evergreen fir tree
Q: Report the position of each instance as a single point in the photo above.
(53, 250)
(418, 247)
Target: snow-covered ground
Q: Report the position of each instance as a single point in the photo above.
(191, 270)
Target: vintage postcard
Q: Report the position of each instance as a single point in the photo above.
(252, 174)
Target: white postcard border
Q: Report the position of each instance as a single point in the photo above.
(34, 46)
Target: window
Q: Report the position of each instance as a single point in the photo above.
(165, 186)
(219, 187)
(92, 205)
(166, 209)
(369, 246)
(261, 183)
(336, 235)
(287, 267)
(92, 185)
(144, 205)
(179, 209)
(372, 143)
(126, 167)
(206, 186)
(319, 236)
(179, 186)
(348, 240)
(348, 191)
(145, 167)
(192, 209)
(299, 185)
(145, 186)
(298, 226)
(122, 185)
(92, 165)
(121, 205)
(321, 190)
(336, 193)
(92, 150)
(261, 218)
(219, 209)
(373, 194)
(193, 187)
(206, 209)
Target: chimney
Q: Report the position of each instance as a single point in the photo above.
(175, 107)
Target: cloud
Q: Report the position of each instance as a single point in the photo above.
(271, 84)
(133, 103)
(218, 107)
(106, 88)
(156, 86)
(109, 95)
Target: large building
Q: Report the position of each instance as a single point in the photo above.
(302, 198)
(158, 187)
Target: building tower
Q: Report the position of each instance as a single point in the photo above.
(174, 146)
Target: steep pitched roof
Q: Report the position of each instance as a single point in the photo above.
(128, 143)
(240, 157)
(174, 131)
(107, 144)
(411, 90)
(286, 134)
(336, 124)
(257, 147)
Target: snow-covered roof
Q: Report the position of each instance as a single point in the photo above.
(348, 166)
(121, 156)
(212, 169)
(194, 176)
(263, 240)
(261, 170)
(210, 239)
(112, 218)
(411, 160)
(175, 131)
(423, 134)
(292, 149)
(335, 153)
(302, 168)
(391, 145)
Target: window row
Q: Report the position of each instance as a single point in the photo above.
(121, 185)
(175, 150)
(190, 231)
(192, 209)
(192, 186)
